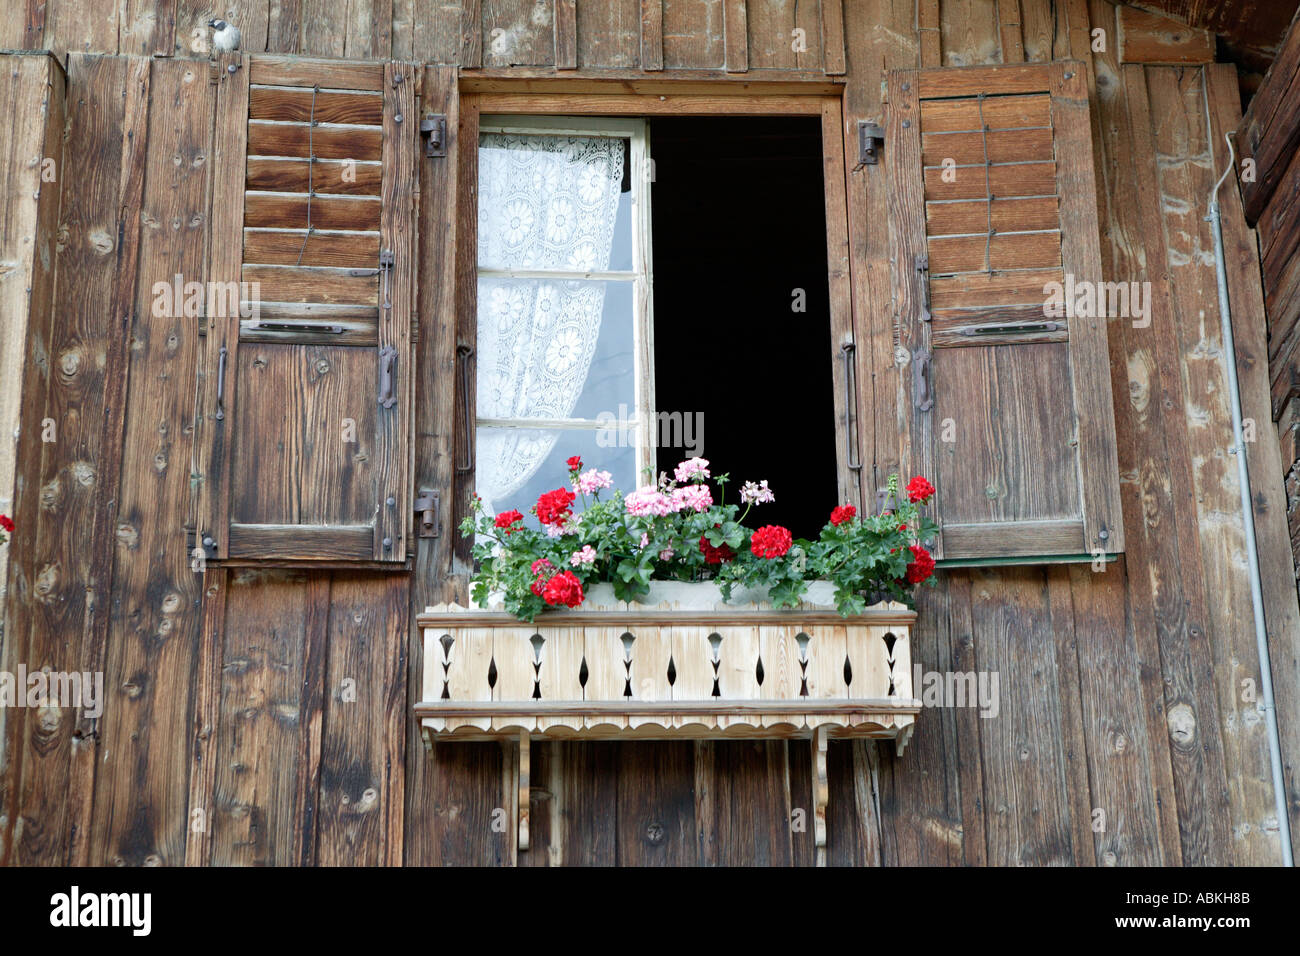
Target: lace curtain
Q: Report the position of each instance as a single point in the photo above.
(545, 203)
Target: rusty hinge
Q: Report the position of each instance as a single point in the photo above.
(428, 514)
(871, 139)
(434, 127)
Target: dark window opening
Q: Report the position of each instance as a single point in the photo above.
(739, 226)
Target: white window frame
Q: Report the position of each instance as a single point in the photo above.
(636, 130)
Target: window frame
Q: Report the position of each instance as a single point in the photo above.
(591, 98)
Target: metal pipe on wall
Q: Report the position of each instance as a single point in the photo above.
(1248, 513)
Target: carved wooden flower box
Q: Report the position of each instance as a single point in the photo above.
(686, 665)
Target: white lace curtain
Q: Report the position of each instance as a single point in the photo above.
(545, 203)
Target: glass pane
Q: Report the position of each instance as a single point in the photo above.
(552, 202)
(515, 465)
(555, 348)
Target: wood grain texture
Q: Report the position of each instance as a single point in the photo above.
(38, 602)
(141, 786)
(1151, 38)
(1267, 464)
(652, 35)
(566, 34)
(736, 35)
(434, 447)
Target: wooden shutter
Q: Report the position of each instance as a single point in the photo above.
(306, 405)
(1007, 410)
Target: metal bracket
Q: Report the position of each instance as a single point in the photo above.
(922, 264)
(428, 510)
(871, 141)
(434, 126)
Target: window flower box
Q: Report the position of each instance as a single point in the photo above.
(680, 664)
(683, 663)
(659, 613)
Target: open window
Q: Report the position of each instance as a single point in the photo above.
(722, 349)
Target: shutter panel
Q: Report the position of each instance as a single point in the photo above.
(306, 400)
(1006, 409)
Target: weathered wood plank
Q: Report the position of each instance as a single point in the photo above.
(932, 801)
(652, 34)
(1023, 750)
(320, 284)
(434, 461)
(742, 801)
(268, 719)
(1146, 37)
(362, 741)
(655, 805)
(330, 177)
(1270, 130)
(736, 35)
(969, 32)
(1184, 180)
(1267, 466)
(1179, 602)
(36, 811)
(301, 140)
(153, 634)
(262, 210)
(271, 70)
(693, 35)
(566, 34)
(832, 22)
(1013, 44)
(340, 250)
(872, 29)
(784, 34)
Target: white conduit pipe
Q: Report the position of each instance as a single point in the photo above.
(1248, 514)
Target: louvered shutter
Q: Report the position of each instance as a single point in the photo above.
(306, 402)
(1006, 409)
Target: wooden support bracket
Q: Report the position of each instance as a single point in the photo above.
(522, 767)
(821, 791)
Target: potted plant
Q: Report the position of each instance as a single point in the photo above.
(674, 530)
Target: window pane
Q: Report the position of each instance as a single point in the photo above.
(551, 202)
(552, 348)
(515, 465)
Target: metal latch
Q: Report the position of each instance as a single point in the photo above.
(427, 513)
(871, 139)
(434, 126)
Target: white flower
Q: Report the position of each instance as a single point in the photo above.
(756, 494)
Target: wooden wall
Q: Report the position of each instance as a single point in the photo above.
(276, 703)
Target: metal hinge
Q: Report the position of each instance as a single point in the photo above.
(427, 513)
(871, 140)
(434, 127)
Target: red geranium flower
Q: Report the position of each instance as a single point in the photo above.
(6, 522)
(770, 541)
(564, 588)
(575, 463)
(507, 518)
(919, 489)
(922, 565)
(843, 513)
(719, 555)
(553, 506)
